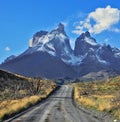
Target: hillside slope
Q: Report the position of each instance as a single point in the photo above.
(40, 64)
(18, 92)
(102, 96)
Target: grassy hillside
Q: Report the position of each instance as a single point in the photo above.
(18, 92)
(102, 96)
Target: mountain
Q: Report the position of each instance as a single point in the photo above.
(50, 56)
(39, 64)
(97, 57)
(9, 58)
(55, 43)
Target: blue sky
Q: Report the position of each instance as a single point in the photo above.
(19, 20)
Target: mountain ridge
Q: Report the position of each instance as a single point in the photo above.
(50, 56)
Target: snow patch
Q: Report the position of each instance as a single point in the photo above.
(90, 41)
(52, 53)
(46, 38)
(117, 54)
(101, 61)
(50, 46)
(74, 60)
(61, 36)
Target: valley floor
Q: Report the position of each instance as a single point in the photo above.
(59, 107)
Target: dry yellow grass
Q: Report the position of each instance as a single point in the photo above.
(102, 96)
(18, 92)
(16, 105)
(86, 101)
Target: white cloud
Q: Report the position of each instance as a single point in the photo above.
(7, 49)
(78, 30)
(100, 20)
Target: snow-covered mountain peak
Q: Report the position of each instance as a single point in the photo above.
(43, 37)
(59, 29)
(86, 37)
(40, 34)
(83, 35)
(35, 39)
(56, 43)
(87, 34)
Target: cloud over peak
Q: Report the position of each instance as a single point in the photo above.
(100, 20)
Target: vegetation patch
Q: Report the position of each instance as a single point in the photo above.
(18, 93)
(102, 96)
